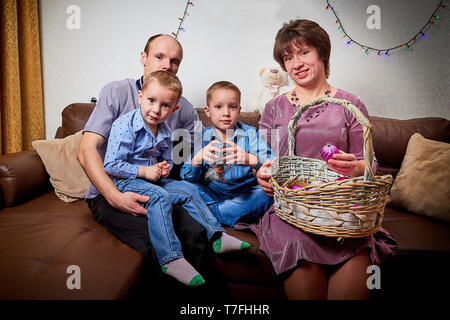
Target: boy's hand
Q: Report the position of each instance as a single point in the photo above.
(165, 168)
(235, 154)
(152, 173)
(208, 153)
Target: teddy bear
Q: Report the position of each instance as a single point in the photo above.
(274, 82)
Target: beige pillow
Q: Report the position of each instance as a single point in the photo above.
(423, 182)
(60, 160)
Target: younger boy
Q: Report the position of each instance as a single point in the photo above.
(138, 159)
(234, 192)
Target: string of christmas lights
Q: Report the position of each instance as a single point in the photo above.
(432, 20)
(180, 26)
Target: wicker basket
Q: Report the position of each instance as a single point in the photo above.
(348, 208)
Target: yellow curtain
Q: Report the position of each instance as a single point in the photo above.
(21, 99)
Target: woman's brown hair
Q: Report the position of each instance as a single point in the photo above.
(298, 32)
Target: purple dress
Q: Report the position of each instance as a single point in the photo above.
(285, 244)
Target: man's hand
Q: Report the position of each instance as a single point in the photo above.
(263, 178)
(130, 202)
(92, 164)
(235, 154)
(346, 164)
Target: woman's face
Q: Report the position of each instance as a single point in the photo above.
(304, 65)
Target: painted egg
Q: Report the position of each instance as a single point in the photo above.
(327, 151)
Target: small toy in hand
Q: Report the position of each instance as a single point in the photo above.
(328, 151)
(215, 171)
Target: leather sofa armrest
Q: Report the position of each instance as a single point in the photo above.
(22, 177)
(2, 202)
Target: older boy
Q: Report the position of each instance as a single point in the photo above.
(237, 193)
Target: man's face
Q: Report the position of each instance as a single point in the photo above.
(164, 53)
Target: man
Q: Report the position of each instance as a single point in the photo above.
(122, 214)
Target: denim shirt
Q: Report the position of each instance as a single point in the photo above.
(238, 177)
(131, 144)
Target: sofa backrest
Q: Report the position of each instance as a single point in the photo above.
(390, 136)
(74, 117)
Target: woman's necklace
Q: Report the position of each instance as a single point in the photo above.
(295, 99)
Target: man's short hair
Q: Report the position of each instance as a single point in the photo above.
(166, 79)
(222, 85)
(149, 41)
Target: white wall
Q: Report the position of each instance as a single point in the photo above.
(233, 39)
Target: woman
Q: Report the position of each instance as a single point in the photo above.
(314, 266)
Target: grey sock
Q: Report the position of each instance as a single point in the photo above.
(228, 243)
(184, 272)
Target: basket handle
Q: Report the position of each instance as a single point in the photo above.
(367, 129)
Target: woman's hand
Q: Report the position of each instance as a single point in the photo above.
(207, 153)
(263, 177)
(346, 164)
(235, 154)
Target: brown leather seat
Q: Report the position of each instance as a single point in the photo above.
(40, 236)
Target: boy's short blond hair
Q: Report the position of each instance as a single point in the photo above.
(166, 79)
(222, 85)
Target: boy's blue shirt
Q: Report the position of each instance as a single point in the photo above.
(132, 144)
(238, 177)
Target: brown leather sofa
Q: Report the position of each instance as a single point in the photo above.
(40, 235)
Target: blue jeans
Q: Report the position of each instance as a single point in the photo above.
(229, 209)
(163, 194)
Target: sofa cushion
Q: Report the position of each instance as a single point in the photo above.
(60, 160)
(416, 234)
(390, 138)
(41, 238)
(422, 184)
